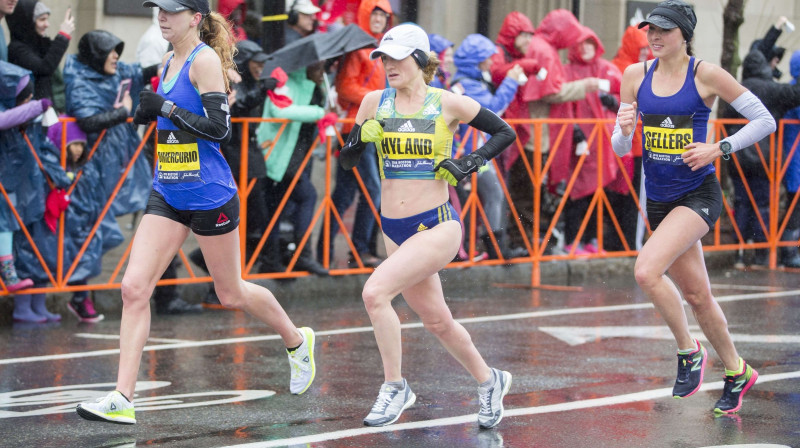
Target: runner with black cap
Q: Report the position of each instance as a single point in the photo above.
(674, 95)
(193, 191)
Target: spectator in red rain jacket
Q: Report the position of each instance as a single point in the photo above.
(558, 30)
(585, 61)
(512, 44)
(235, 11)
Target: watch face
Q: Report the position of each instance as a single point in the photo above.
(725, 147)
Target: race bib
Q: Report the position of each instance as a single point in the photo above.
(178, 157)
(666, 137)
(407, 144)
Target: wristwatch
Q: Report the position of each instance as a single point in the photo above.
(725, 147)
(166, 108)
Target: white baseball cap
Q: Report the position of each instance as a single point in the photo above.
(302, 6)
(399, 42)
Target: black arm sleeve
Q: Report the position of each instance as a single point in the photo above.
(502, 134)
(103, 120)
(215, 126)
(352, 149)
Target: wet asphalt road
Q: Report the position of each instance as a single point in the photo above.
(590, 368)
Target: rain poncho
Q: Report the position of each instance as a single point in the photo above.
(91, 93)
(469, 80)
(565, 160)
(439, 45)
(633, 40)
(19, 171)
(358, 74)
(86, 203)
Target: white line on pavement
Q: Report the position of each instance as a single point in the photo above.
(471, 418)
(116, 336)
(353, 330)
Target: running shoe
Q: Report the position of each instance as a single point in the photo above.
(85, 311)
(302, 363)
(690, 372)
(391, 402)
(491, 399)
(113, 408)
(735, 388)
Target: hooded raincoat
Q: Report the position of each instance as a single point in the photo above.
(39, 54)
(19, 172)
(83, 211)
(91, 94)
(359, 75)
(792, 178)
(468, 79)
(565, 161)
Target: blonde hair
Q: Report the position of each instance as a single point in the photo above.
(216, 32)
(430, 70)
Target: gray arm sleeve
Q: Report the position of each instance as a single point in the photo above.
(620, 143)
(761, 122)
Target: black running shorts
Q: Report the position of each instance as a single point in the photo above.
(705, 200)
(217, 221)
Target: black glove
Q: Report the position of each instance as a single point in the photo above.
(150, 103)
(460, 168)
(269, 84)
(141, 117)
(609, 102)
(577, 135)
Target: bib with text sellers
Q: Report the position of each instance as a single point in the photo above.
(666, 137)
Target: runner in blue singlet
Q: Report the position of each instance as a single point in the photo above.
(674, 94)
(193, 191)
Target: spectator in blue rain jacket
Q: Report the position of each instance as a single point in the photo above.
(473, 62)
(444, 50)
(789, 256)
(93, 79)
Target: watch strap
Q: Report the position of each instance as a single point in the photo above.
(166, 108)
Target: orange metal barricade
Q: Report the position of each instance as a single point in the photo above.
(538, 240)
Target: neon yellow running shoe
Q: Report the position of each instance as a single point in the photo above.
(113, 408)
(302, 363)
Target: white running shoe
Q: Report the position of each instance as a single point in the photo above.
(302, 363)
(491, 399)
(113, 408)
(390, 404)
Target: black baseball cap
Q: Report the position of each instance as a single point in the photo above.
(672, 14)
(200, 6)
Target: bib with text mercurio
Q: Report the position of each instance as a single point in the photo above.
(178, 157)
(666, 137)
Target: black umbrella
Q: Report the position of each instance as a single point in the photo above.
(317, 47)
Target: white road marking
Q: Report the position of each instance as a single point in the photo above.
(353, 330)
(471, 418)
(116, 336)
(581, 335)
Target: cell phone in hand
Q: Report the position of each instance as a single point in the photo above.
(124, 87)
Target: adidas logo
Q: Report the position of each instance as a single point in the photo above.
(705, 210)
(406, 127)
(667, 123)
(421, 228)
(171, 138)
(430, 110)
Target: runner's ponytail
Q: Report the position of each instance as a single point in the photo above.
(429, 71)
(216, 32)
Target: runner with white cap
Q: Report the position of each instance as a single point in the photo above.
(412, 126)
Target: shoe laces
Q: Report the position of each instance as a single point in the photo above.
(383, 400)
(684, 366)
(485, 398)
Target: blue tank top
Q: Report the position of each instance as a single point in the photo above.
(191, 172)
(670, 123)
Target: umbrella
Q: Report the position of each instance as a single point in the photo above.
(317, 47)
